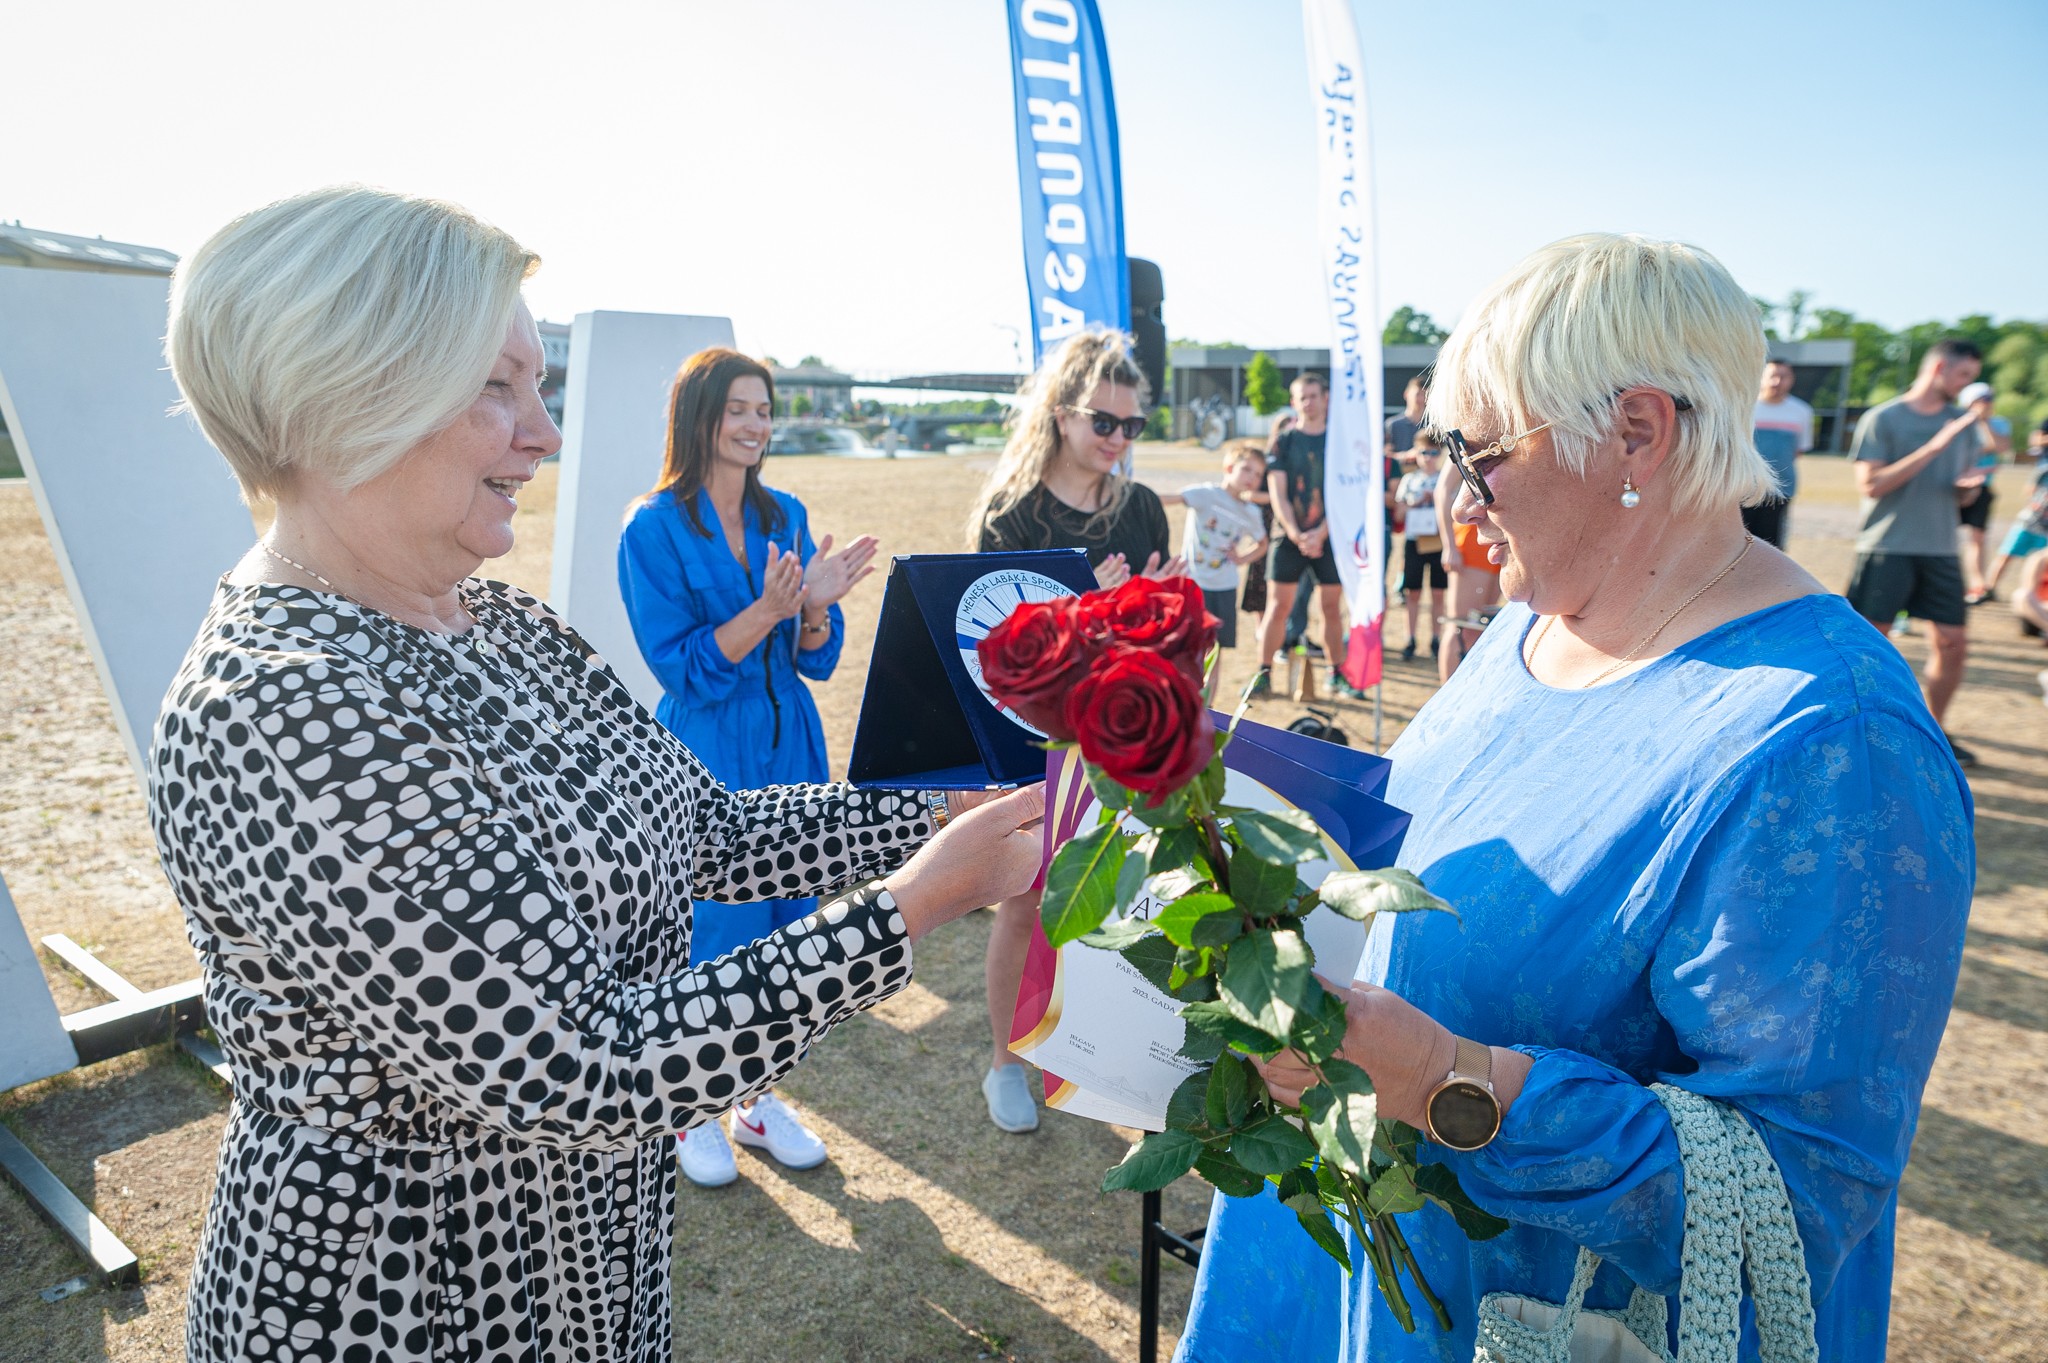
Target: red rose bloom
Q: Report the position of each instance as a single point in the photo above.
(1168, 618)
(1032, 659)
(1141, 718)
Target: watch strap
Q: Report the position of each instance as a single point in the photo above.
(1473, 1061)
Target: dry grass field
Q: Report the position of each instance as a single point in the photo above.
(930, 1235)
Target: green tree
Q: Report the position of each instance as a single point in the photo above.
(800, 405)
(1262, 386)
(1409, 327)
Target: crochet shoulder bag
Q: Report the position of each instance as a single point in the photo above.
(1736, 1210)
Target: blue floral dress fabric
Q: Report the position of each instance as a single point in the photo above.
(1744, 870)
(752, 722)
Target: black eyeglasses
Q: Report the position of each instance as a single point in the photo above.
(1467, 463)
(1105, 422)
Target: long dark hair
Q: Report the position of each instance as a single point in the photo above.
(696, 408)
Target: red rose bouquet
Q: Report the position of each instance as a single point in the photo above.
(1120, 674)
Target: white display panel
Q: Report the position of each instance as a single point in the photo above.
(142, 513)
(37, 1045)
(614, 429)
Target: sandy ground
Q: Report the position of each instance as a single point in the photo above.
(930, 1235)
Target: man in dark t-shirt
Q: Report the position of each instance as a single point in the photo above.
(1301, 540)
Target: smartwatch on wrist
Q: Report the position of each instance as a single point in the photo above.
(1462, 1111)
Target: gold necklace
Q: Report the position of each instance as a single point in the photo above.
(1625, 659)
(264, 545)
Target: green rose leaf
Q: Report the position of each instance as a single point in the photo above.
(1219, 1019)
(1175, 848)
(1324, 1232)
(1395, 1142)
(1212, 780)
(1195, 989)
(1188, 1108)
(1170, 811)
(1319, 1031)
(1393, 1192)
(1269, 979)
(1107, 792)
(1260, 886)
(1130, 880)
(1361, 894)
(1185, 920)
(1152, 957)
(1437, 1183)
(1154, 1162)
(1080, 885)
(1341, 1113)
(1172, 885)
(1230, 1179)
(1229, 1097)
(1273, 1146)
(1202, 1048)
(1295, 1183)
(1284, 836)
(1117, 933)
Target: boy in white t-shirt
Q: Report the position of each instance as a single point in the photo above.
(1422, 546)
(1225, 529)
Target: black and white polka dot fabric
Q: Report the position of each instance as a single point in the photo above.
(441, 890)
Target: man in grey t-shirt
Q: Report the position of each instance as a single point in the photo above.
(1915, 468)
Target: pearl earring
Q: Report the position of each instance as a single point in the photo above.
(1630, 498)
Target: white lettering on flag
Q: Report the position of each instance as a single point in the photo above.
(1354, 483)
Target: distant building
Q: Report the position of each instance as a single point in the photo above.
(32, 248)
(828, 391)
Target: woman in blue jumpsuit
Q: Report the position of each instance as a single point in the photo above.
(732, 606)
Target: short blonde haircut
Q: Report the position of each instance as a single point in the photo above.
(1068, 378)
(335, 331)
(1582, 319)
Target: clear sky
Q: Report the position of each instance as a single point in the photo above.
(840, 178)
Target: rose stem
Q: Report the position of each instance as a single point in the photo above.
(1407, 1255)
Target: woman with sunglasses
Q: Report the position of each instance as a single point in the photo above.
(1697, 823)
(1062, 483)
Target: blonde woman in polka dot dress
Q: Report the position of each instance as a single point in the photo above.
(439, 866)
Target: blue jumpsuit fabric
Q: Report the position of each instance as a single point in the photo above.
(752, 722)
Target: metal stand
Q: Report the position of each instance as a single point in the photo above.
(1155, 1238)
(136, 1018)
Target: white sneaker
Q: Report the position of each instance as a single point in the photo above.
(1010, 1104)
(770, 1125)
(704, 1157)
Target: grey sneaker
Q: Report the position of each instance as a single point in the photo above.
(1010, 1105)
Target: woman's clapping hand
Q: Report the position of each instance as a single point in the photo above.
(831, 576)
(982, 856)
(782, 584)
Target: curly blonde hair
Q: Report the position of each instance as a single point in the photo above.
(1068, 378)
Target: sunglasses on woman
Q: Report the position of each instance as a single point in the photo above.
(1105, 422)
(1467, 462)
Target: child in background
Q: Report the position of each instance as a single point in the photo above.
(1225, 529)
(1422, 546)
